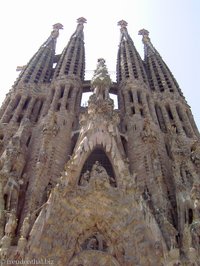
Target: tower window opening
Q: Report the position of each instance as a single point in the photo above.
(160, 118)
(168, 150)
(70, 92)
(139, 97)
(190, 216)
(133, 110)
(149, 106)
(169, 112)
(130, 96)
(52, 95)
(26, 104)
(141, 112)
(124, 143)
(28, 141)
(19, 119)
(16, 102)
(36, 109)
(187, 132)
(58, 107)
(62, 89)
(180, 115)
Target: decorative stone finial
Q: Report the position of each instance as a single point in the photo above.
(81, 20)
(145, 35)
(101, 81)
(122, 23)
(143, 32)
(56, 28)
(148, 47)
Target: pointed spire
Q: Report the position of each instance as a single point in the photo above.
(129, 63)
(39, 68)
(72, 59)
(159, 75)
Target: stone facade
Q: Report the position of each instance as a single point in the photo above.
(95, 185)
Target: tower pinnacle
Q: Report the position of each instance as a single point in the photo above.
(146, 40)
(81, 20)
(56, 28)
(145, 35)
(122, 23)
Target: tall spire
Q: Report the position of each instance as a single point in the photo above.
(129, 63)
(160, 77)
(39, 68)
(72, 60)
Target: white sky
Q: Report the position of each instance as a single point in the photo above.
(173, 26)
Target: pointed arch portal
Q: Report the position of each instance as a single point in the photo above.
(99, 155)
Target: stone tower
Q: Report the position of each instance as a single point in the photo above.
(94, 185)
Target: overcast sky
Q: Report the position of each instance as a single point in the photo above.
(174, 27)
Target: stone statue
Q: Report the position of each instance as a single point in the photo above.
(11, 189)
(85, 178)
(25, 226)
(96, 242)
(195, 233)
(11, 224)
(93, 243)
(195, 153)
(101, 81)
(195, 196)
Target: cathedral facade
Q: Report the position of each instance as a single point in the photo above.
(94, 185)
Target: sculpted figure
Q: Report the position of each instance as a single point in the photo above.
(195, 196)
(195, 153)
(195, 233)
(101, 81)
(85, 178)
(93, 243)
(11, 224)
(25, 226)
(11, 189)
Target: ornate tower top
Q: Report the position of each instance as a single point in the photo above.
(56, 28)
(145, 35)
(147, 41)
(124, 33)
(122, 23)
(81, 20)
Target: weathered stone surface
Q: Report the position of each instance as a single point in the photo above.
(84, 186)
